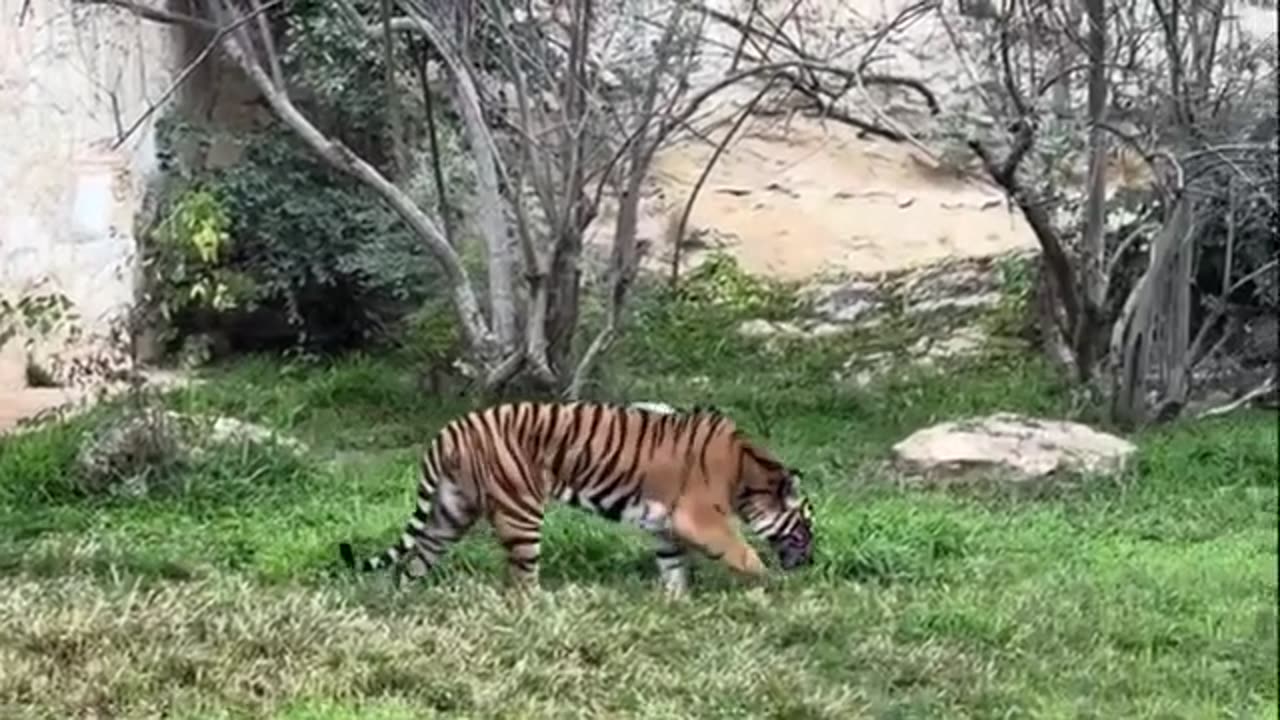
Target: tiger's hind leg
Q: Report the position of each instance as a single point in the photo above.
(673, 563)
(519, 529)
(450, 516)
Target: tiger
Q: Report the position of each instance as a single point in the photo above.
(678, 475)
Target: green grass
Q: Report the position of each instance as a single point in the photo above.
(1149, 595)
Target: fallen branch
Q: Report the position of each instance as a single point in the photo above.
(1241, 401)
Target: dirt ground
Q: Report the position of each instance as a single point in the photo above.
(18, 403)
(820, 201)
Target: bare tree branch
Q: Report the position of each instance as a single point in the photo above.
(398, 154)
(623, 263)
(433, 137)
(190, 67)
(153, 14)
(678, 238)
(268, 44)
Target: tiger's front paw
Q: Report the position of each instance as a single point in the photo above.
(751, 564)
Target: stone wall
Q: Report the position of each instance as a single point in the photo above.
(72, 80)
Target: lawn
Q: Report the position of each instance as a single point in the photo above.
(1147, 595)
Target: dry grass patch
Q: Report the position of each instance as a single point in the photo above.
(73, 647)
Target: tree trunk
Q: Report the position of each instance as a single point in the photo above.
(564, 286)
(1132, 336)
(1088, 330)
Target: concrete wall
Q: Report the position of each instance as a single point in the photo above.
(70, 81)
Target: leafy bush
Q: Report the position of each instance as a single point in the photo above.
(277, 250)
(720, 281)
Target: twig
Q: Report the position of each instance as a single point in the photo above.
(437, 169)
(742, 36)
(893, 124)
(156, 15)
(905, 17)
(1005, 175)
(1241, 401)
(966, 65)
(702, 178)
(1129, 240)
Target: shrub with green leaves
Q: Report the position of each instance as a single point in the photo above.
(277, 250)
(722, 282)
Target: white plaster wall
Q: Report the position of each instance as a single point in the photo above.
(70, 80)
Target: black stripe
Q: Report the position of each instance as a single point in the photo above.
(630, 474)
(526, 420)
(451, 431)
(509, 542)
(616, 446)
(706, 445)
(769, 464)
(447, 515)
(503, 416)
(567, 439)
(586, 458)
(646, 433)
(525, 564)
(552, 423)
(597, 412)
(517, 500)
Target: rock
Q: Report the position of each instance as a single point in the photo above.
(1013, 446)
(808, 330)
(653, 406)
(822, 329)
(129, 453)
(961, 342)
(981, 301)
(117, 458)
(226, 431)
(863, 370)
(764, 328)
(845, 303)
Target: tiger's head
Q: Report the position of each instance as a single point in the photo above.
(771, 504)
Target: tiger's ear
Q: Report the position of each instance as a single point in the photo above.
(796, 474)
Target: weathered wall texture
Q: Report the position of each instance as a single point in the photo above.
(71, 81)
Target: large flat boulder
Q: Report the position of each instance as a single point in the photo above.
(1010, 446)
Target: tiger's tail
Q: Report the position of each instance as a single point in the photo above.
(393, 553)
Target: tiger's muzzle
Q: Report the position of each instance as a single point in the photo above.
(795, 549)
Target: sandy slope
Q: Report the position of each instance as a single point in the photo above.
(808, 197)
(823, 200)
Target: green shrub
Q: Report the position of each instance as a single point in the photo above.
(720, 281)
(278, 250)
